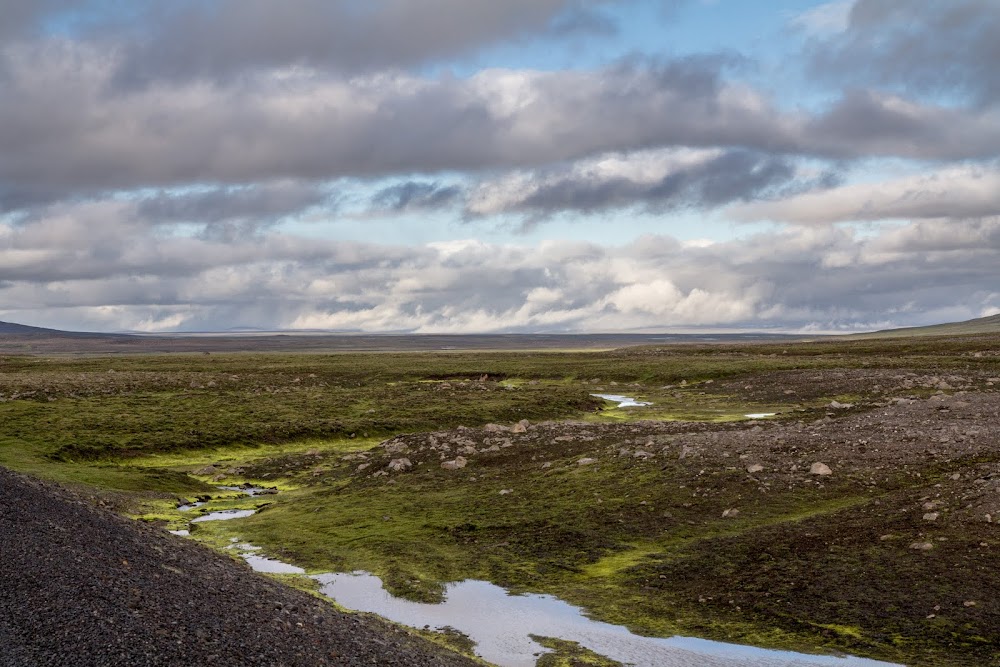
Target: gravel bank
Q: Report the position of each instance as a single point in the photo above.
(82, 586)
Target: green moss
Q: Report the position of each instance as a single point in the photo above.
(570, 654)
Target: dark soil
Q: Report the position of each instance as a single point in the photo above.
(81, 586)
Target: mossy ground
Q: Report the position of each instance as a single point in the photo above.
(635, 543)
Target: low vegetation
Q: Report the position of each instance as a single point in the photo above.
(681, 517)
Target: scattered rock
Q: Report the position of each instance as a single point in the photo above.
(504, 492)
(730, 513)
(819, 468)
(456, 464)
(521, 426)
(931, 516)
(756, 467)
(922, 546)
(399, 465)
(586, 462)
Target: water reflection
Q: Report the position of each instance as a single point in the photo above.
(500, 624)
(623, 401)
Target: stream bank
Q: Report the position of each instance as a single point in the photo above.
(80, 585)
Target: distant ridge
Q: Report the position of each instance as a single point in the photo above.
(980, 325)
(12, 329)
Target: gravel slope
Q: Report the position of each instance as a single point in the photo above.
(82, 586)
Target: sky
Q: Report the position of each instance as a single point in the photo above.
(470, 166)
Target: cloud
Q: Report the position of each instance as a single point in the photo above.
(414, 196)
(651, 180)
(65, 267)
(218, 39)
(23, 17)
(956, 192)
(824, 20)
(918, 46)
(259, 203)
(868, 123)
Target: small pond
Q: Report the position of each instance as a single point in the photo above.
(623, 401)
(224, 515)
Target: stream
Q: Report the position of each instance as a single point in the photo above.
(500, 623)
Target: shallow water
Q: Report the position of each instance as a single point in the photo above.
(760, 415)
(623, 401)
(190, 506)
(249, 490)
(270, 565)
(500, 624)
(224, 515)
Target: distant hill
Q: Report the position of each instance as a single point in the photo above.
(980, 325)
(11, 329)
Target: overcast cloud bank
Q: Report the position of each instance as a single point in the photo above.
(159, 168)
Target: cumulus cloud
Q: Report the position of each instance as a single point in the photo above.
(802, 277)
(923, 46)
(415, 196)
(257, 203)
(150, 158)
(220, 38)
(64, 129)
(650, 180)
(957, 192)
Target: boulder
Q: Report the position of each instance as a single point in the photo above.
(457, 463)
(820, 469)
(399, 465)
(521, 426)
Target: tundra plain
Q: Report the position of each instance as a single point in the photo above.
(862, 517)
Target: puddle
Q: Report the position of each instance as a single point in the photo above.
(224, 515)
(623, 401)
(270, 565)
(500, 624)
(249, 490)
(190, 506)
(760, 415)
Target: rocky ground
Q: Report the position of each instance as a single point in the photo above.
(81, 586)
(869, 524)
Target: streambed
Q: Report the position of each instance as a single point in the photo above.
(501, 624)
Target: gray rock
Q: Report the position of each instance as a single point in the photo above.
(399, 465)
(820, 469)
(586, 462)
(456, 464)
(756, 467)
